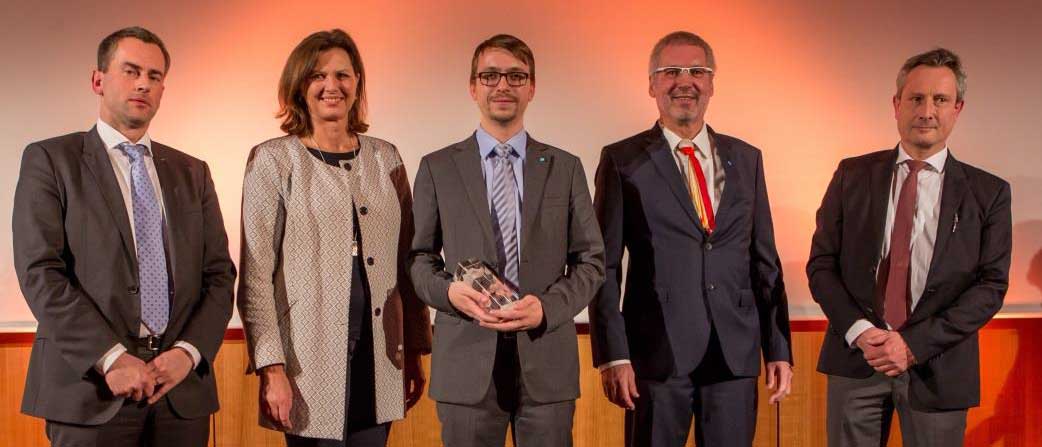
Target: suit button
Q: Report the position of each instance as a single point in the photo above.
(708, 246)
(711, 287)
(363, 210)
(370, 261)
(347, 166)
(132, 290)
(376, 311)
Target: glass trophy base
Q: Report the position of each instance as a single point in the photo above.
(482, 277)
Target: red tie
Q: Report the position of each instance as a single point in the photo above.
(896, 300)
(703, 205)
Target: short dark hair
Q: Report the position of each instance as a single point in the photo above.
(938, 57)
(109, 43)
(296, 119)
(515, 46)
(681, 38)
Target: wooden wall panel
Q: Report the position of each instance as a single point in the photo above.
(1010, 414)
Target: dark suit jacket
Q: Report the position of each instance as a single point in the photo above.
(77, 266)
(681, 280)
(562, 263)
(967, 281)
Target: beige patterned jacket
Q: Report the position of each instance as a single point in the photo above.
(296, 264)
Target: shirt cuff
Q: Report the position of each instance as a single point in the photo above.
(856, 329)
(196, 357)
(613, 363)
(109, 358)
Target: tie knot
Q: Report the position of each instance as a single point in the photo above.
(914, 166)
(134, 151)
(504, 151)
(687, 147)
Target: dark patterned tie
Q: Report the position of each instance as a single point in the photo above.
(504, 208)
(896, 301)
(148, 232)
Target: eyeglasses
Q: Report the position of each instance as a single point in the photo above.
(674, 72)
(514, 78)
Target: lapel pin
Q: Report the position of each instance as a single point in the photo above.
(542, 159)
(729, 163)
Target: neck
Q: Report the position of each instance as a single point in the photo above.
(922, 153)
(333, 137)
(134, 134)
(686, 130)
(502, 131)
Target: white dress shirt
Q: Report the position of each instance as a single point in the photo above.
(924, 225)
(111, 138)
(710, 169)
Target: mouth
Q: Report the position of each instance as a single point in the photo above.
(139, 101)
(331, 100)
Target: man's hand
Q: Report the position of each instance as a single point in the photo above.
(414, 380)
(890, 354)
(471, 302)
(620, 385)
(169, 369)
(864, 341)
(276, 395)
(130, 377)
(779, 378)
(526, 313)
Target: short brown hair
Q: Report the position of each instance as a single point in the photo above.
(293, 107)
(681, 38)
(515, 46)
(938, 57)
(109, 43)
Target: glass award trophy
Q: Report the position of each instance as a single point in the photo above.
(483, 278)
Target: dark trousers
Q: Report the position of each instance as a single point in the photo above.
(507, 403)
(860, 412)
(722, 404)
(135, 424)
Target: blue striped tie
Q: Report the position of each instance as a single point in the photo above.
(504, 208)
(148, 232)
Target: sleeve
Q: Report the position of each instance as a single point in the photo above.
(607, 326)
(768, 285)
(426, 265)
(416, 317)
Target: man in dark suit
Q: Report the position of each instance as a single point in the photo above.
(704, 291)
(523, 207)
(909, 260)
(121, 254)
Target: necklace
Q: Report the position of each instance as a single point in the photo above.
(321, 152)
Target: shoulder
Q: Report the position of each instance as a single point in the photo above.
(380, 148)
(559, 155)
(864, 161)
(982, 180)
(444, 154)
(64, 144)
(738, 145)
(634, 142)
(162, 150)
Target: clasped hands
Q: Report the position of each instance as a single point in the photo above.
(131, 377)
(525, 314)
(885, 351)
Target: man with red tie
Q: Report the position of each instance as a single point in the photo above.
(704, 292)
(909, 260)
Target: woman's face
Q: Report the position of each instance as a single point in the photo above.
(332, 87)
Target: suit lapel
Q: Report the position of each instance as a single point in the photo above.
(662, 155)
(731, 176)
(880, 177)
(468, 164)
(536, 171)
(97, 160)
(952, 193)
(167, 171)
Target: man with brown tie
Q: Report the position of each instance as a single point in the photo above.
(704, 294)
(910, 259)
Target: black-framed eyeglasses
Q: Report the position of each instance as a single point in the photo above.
(696, 72)
(514, 78)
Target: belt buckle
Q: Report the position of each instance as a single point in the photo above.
(152, 343)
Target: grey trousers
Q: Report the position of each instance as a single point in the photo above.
(860, 412)
(506, 403)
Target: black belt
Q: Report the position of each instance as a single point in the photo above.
(150, 342)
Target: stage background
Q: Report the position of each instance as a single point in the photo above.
(808, 82)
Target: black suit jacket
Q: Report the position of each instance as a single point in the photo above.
(968, 276)
(77, 266)
(682, 282)
(562, 263)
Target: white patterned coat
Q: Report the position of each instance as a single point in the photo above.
(296, 263)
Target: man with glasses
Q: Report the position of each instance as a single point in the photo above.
(704, 292)
(524, 208)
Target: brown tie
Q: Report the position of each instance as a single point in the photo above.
(896, 299)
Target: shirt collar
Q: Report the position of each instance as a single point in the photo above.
(701, 139)
(487, 143)
(936, 161)
(112, 138)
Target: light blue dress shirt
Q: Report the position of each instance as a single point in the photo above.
(486, 147)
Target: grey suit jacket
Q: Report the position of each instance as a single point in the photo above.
(77, 266)
(562, 263)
